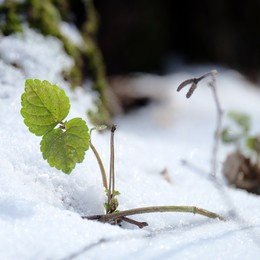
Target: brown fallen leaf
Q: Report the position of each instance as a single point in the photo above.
(242, 173)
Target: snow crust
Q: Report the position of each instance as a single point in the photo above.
(41, 208)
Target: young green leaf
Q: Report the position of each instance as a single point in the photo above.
(43, 106)
(100, 127)
(253, 143)
(64, 148)
(241, 119)
(227, 136)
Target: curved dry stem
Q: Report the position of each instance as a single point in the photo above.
(101, 166)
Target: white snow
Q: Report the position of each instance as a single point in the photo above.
(72, 33)
(40, 207)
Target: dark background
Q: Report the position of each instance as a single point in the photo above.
(143, 35)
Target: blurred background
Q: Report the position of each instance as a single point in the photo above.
(154, 36)
(159, 36)
(119, 38)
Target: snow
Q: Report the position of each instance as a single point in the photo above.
(41, 208)
(72, 33)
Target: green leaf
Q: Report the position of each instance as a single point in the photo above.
(100, 127)
(228, 137)
(241, 119)
(250, 143)
(253, 143)
(43, 106)
(64, 148)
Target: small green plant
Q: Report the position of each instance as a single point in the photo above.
(44, 107)
(64, 143)
(242, 166)
(240, 170)
(238, 134)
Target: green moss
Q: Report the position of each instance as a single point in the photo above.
(45, 17)
(64, 9)
(101, 116)
(73, 75)
(11, 22)
(96, 64)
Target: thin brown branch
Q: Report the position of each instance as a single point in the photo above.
(108, 218)
(185, 83)
(154, 209)
(191, 90)
(134, 222)
(111, 187)
(117, 220)
(212, 84)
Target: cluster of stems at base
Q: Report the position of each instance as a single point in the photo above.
(113, 216)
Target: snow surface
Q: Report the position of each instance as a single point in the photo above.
(41, 208)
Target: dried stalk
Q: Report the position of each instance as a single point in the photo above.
(114, 217)
(194, 82)
(212, 85)
(111, 188)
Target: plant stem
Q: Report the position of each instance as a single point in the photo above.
(134, 222)
(101, 166)
(111, 187)
(190, 209)
(121, 214)
(212, 84)
(211, 73)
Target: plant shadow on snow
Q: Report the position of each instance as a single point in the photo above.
(151, 234)
(156, 236)
(203, 241)
(15, 209)
(76, 193)
(187, 226)
(74, 201)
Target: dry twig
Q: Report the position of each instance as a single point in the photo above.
(212, 84)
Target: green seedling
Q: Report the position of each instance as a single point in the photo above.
(238, 134)
(242, 167)
(64, 143)
(44, 108)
